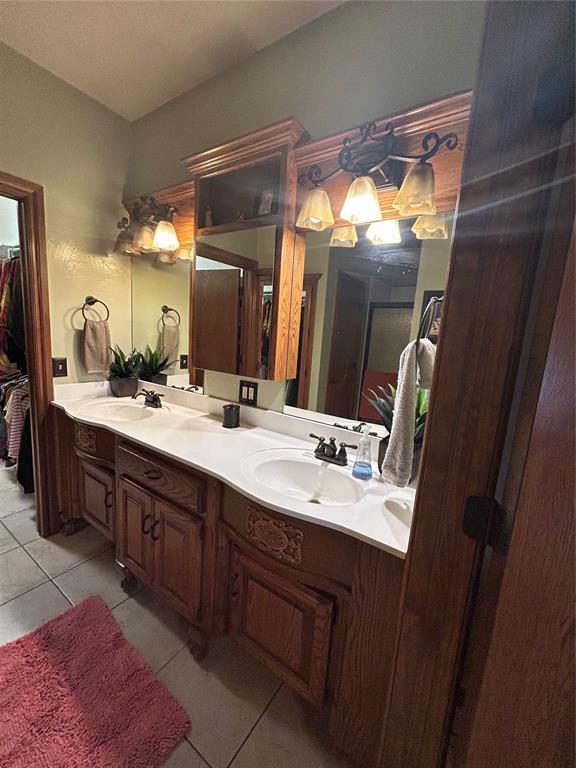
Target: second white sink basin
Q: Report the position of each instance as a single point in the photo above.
(114, 410)
(297, 474)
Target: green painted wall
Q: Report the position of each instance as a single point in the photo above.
(358, 62)
(79, 151)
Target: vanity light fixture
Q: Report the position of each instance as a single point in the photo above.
(149, 228)
(382, 232)
(380, 154)
(316, 212)
(416, 195)
(361, 204)
(431, 227)
(344, 237)
(165, 237)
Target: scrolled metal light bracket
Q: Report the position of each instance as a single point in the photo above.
(373, 153)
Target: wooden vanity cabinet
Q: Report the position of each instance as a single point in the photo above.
(97, 496)
(283, 624)
(161, 545)
(161, 530)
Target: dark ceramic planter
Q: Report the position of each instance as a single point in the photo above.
(382, 448)
(123, 387)
(159, 378)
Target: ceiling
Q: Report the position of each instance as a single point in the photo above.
(135, 55)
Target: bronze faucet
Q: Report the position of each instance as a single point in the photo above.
(151, 398)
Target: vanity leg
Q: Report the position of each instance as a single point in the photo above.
(129, 583)
(197, 642)
(72, 525)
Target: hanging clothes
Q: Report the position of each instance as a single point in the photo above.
(16, 343)
(25, 472)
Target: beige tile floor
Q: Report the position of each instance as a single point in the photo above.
(241, 715)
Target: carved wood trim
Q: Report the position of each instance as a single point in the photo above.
(282, 541)
(85, 438)
(247, 148)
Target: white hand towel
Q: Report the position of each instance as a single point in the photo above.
(415, 369)
(97, 355)
(170, 341)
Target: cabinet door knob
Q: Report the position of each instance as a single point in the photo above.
(108, 499)
(153, 530)
(146, 530)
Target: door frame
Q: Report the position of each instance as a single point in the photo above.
(35, 299)
(511, 241)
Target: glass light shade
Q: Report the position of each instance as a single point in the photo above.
(431, 227)
(416, 195)
(165, 238)
(143, 238)
(316, 211)
(185, 254)
(344, 237)
(124, 243)
(361, 204)
(381, 232)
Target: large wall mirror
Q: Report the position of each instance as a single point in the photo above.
(360, 308)
(232, 301)
(160, 311)
(215, 310)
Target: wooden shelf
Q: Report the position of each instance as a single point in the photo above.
(236, 226)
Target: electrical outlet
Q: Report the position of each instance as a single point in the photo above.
(248, 394)
(183, 362)
(59, 367)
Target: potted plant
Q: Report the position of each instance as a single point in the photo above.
(384, 404)
(152, 364)
(124, 371)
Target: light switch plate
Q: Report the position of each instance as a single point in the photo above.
(59, 367)
(183, 362)
(248, 392)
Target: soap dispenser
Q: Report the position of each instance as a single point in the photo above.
(362, 468)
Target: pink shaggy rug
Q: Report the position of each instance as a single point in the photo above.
(75, 694)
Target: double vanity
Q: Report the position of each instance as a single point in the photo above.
(244, 531)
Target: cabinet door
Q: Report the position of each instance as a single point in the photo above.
(134, 545)
(285, 625)
(96, 486)
(177, 537)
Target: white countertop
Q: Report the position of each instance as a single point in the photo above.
(194, 436)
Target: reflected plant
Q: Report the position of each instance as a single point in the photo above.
(384, 404)
(151, 363)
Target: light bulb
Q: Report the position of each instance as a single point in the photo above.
(361, 204)
(165, 238)
(381, 232)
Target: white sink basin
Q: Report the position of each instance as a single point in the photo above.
(110, 410)
(297, 474)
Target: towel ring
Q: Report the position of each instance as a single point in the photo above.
(428, 317)
(91, 300)
(166, 309)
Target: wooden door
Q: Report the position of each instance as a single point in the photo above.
(216, 319)
(511, 238)
(347, 351)
(283, 624)
(177, 537)
(527, 661)
(134, 545)
(97, 506)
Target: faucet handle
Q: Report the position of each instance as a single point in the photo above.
(318, 437)
(349, 445)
